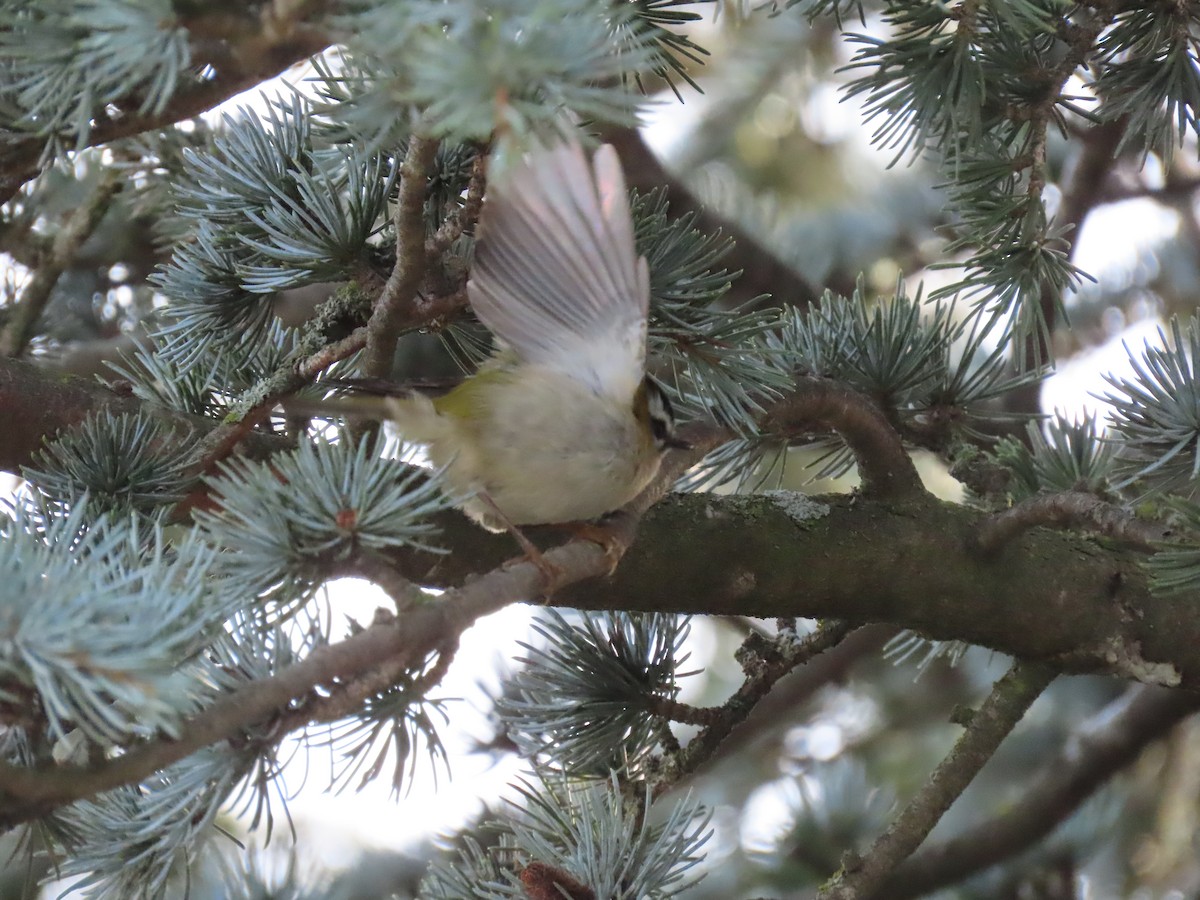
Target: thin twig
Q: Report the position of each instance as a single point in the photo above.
(669, 708)
(285, 380)
(291, 377)
(1007, 704)
(1073, 509)
(220, 443)
(78, 227)
(765, 662)
(1078, 198)
(1088, 760)
(311, 366)
(1178, 189)
(441, 665)
(772, 715)
(380, 571)
(1081, 193)
(384, 328)
(347, 698)
(463, 217)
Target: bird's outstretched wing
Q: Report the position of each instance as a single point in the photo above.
(556, 276)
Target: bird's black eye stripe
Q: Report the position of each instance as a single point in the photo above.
(659, 408)
(660, 428)
(662, 418)
(656, 396)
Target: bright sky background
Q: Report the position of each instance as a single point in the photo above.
(1112, 241)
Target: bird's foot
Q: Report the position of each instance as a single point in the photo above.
(611, 540)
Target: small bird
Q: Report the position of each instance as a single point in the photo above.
(562, 424)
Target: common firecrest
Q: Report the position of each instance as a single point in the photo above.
(562, 424)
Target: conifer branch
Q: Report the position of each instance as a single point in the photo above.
(884, 465)
(764, 662)
(1007, 704)
(385, 647)
(229, 435)
(240, 58)
(1088, 760)
(364, 661)
(1070, 510)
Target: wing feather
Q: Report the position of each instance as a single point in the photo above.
(556, 275)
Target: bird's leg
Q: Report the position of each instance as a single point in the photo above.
(551, 573)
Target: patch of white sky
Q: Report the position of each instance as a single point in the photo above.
(1115, 240)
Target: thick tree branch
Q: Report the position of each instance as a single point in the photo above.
(1113, 739)
(1047, 596)
(1086, 178)
(36, 404)
(1010, 698)
(908, 560)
